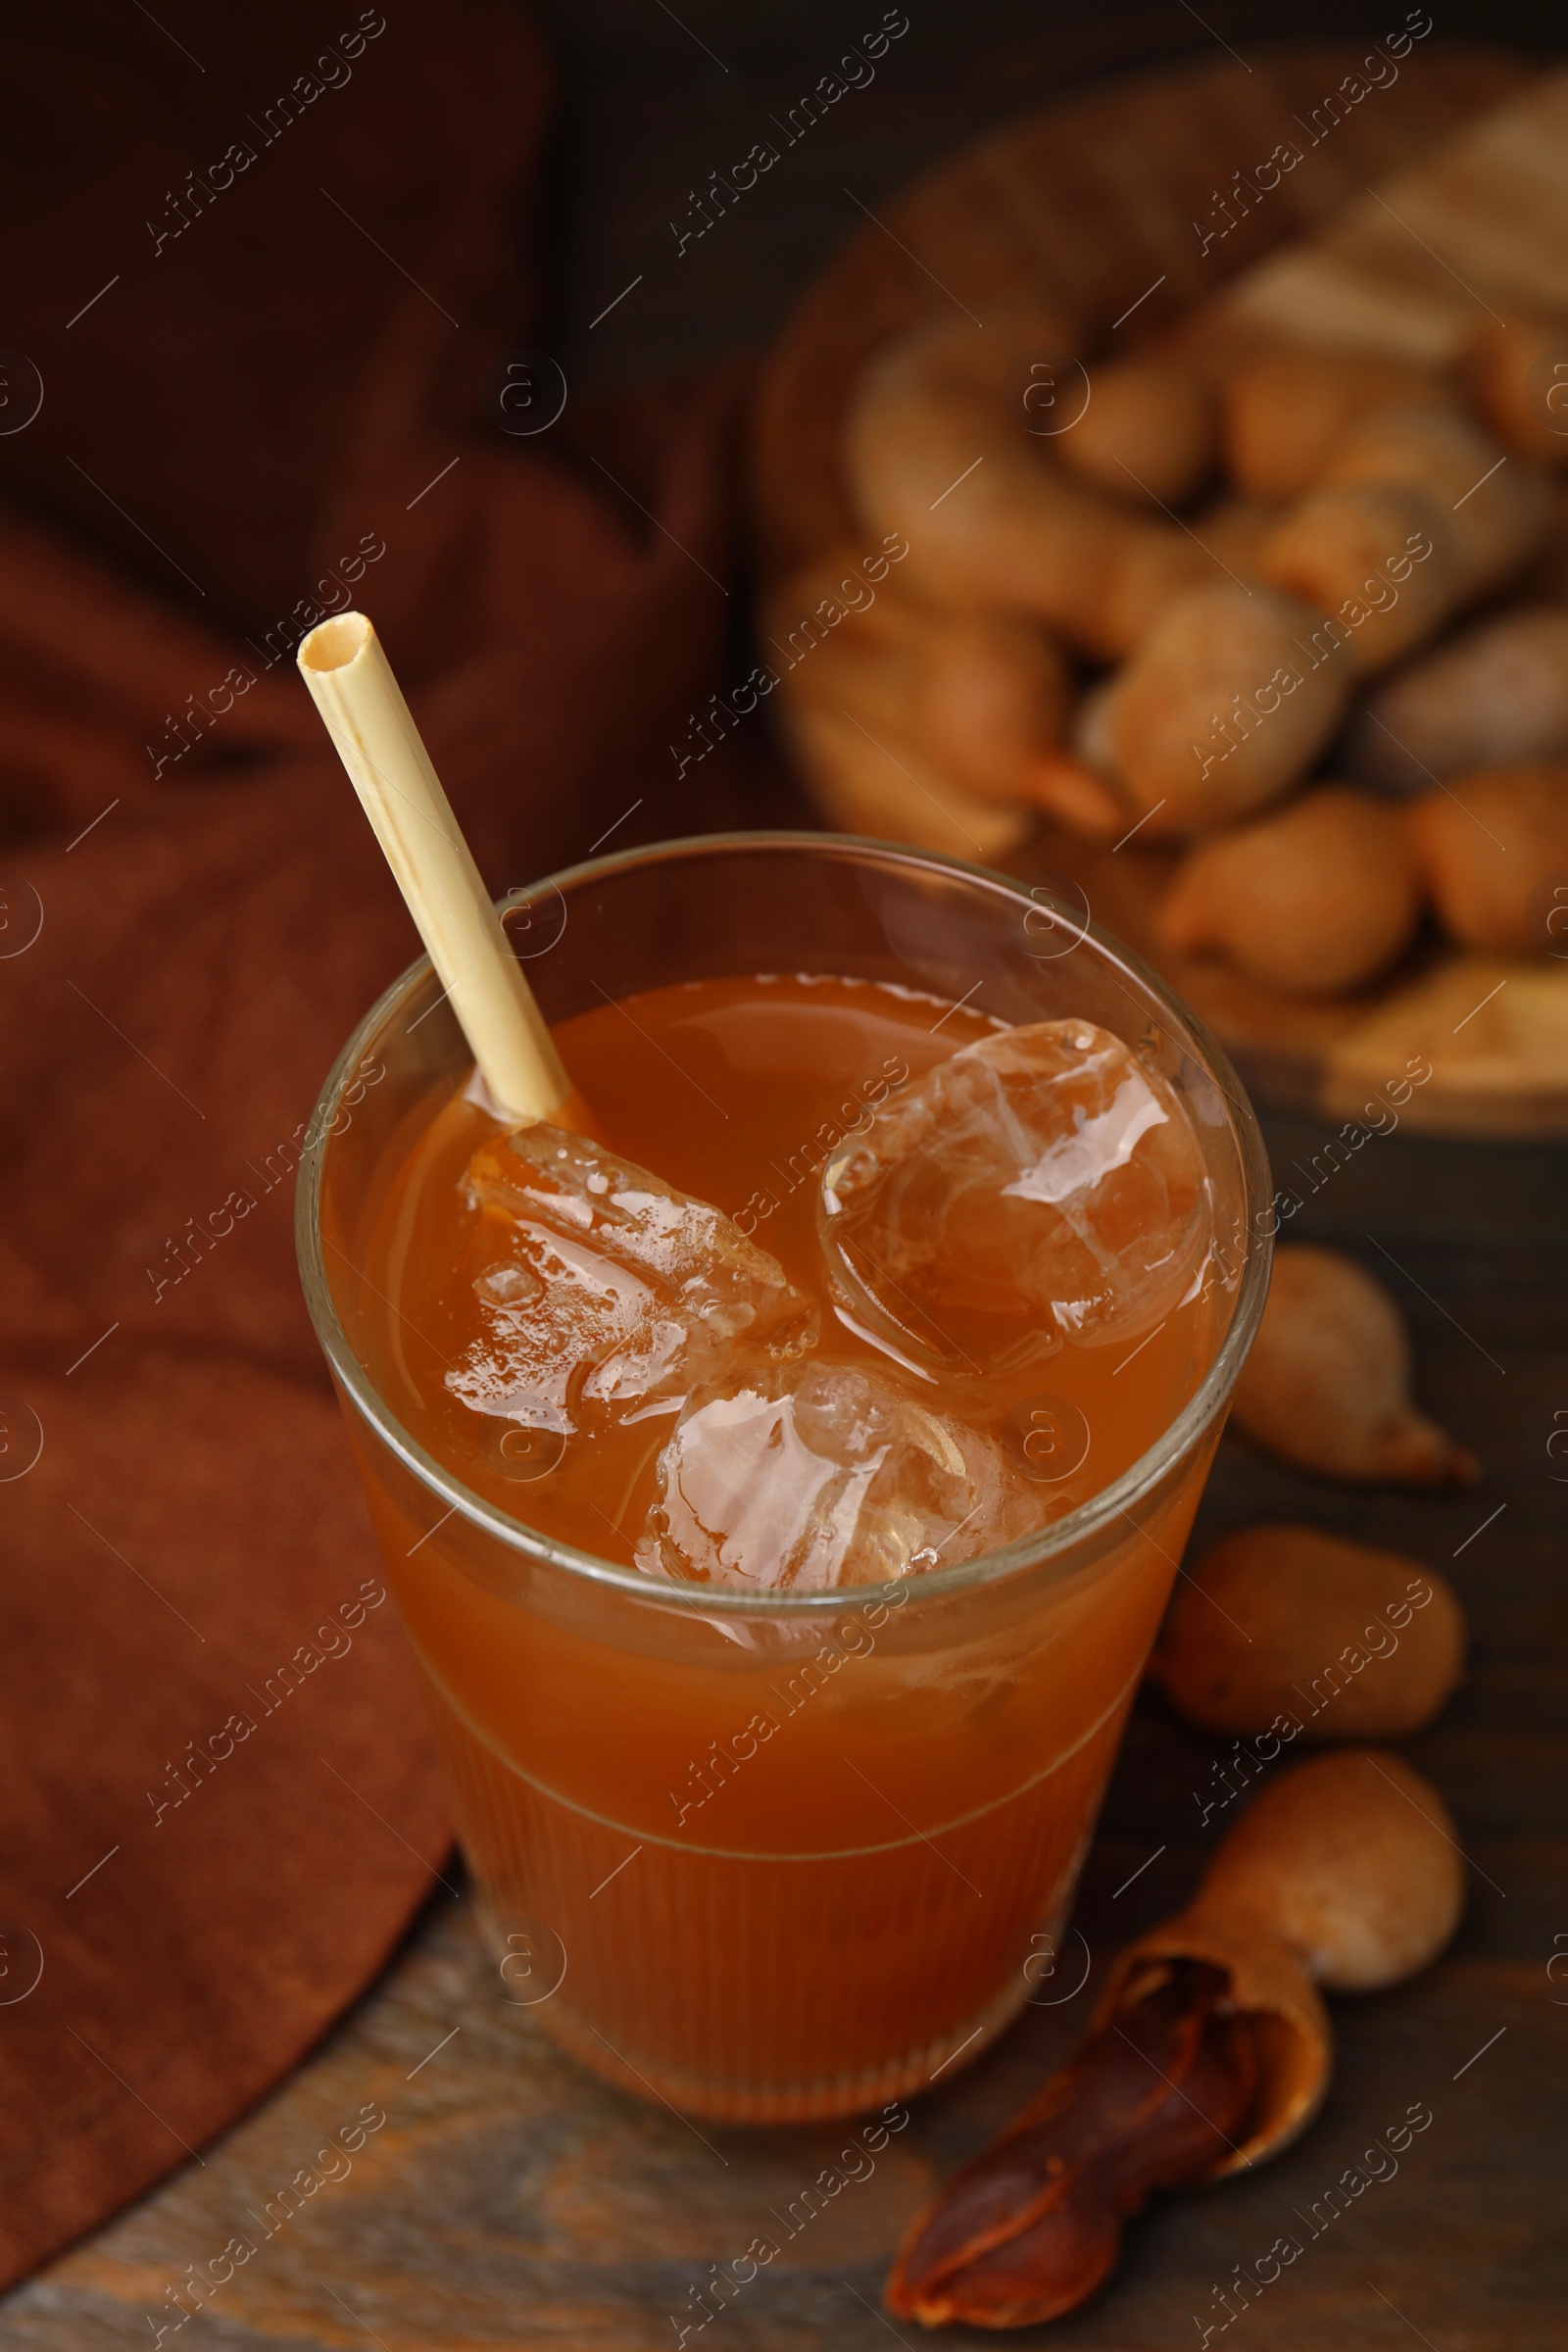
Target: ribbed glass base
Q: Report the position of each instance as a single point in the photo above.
(769, 1989)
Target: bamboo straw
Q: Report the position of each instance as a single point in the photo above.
(352, 687)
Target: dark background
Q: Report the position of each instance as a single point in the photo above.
(651, 109)
(207, 396)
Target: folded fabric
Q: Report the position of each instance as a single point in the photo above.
(220, 1805)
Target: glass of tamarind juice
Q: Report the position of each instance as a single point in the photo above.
(781, 1482)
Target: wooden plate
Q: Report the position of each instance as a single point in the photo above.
(1091, 207)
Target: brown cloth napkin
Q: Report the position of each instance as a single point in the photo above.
(207, 1859)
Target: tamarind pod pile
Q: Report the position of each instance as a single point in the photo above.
(1063, 637)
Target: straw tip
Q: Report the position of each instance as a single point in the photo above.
(333, 644)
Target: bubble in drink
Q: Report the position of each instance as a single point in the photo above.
(1043, 1185)
(610, 1293)
(803, 1477)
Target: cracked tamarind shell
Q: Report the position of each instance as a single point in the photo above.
(1344, 1872)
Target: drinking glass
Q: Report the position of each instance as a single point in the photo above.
(774, 1855)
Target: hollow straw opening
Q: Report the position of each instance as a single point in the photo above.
(333, 644)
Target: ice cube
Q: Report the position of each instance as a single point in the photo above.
(610, 1293)
(803, 1477)
(1044, 1183)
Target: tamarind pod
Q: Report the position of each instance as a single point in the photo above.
(1078, 795)
(1491, 848)
(1290, 1624)
(1351, 1863)
(889, 787)
(1148, 432)
(1224, 704)
(1285, 414)
(1496, 694)
(986, 694)
(939, 447)
(1326, 1385)
(1518, 378)
(1053, 2264)
(1312, 899)
(1211, 2049)
(982, 698)
(1033, 2226)
(1336, 549)
(1492, 515)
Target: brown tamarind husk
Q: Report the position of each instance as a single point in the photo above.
(1149, 432)
(1312, 899)
(1415, 513)
(1354, 550)
(1290, 1624)
(985, 692)
(1209, 2048)
(887, 787)
(1220, 709)
(1283, 414)
(1353, 1860)
(1491, 848)
(1327, 1383)
(1290, 2026)
(1517, 374)
(1034, 2225)
(1495, 695)
(1492, 510)
(942, 446)
(908, 717)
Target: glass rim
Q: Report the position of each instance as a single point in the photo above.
(1053, 1542)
